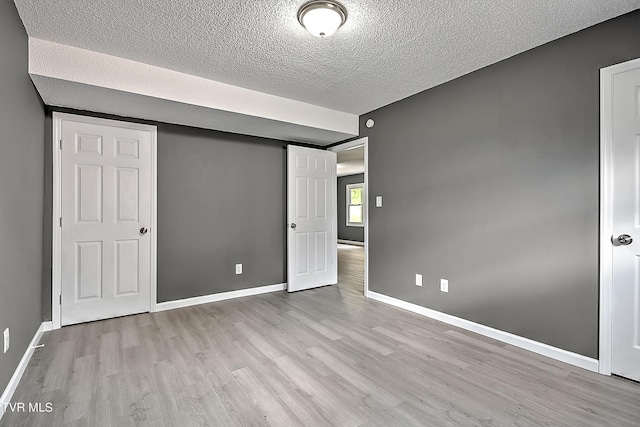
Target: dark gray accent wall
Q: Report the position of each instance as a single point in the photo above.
(354, 234)
(491, 181)
(21, 193)
(47, 220)
(221, 201)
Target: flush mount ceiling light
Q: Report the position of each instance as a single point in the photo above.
(322, 18)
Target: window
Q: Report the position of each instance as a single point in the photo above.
(355, 205)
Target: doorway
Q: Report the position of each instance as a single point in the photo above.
(353, 215)
(104, 219)
(620, 224)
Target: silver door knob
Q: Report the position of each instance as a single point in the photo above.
(144, 230)
(623, 239)
(293, 225)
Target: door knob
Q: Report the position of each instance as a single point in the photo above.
(144, 230)
(623, 239)
(293, 225)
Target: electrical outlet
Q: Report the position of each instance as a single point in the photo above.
(378, 201)
(418, 279)
(444, 285)
(238, 268)
(6, 340)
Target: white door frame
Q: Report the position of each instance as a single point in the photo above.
(56, 253)
(342, 147)
(606, 209)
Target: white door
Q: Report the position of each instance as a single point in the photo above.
(106, 217)
(312, 209)
(625, 343)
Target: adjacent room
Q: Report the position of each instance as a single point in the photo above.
(352, 215)
(320, 213)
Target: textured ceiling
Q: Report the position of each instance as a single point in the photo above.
(386, 51)
(351, 161)
(350, 155)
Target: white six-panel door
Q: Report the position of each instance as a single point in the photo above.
(105, 185)
(625, 326)
(311, 228)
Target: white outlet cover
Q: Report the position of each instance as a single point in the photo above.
(238, 268)
(378, 201)
(418, 279)
(444, 285)
(6, 340)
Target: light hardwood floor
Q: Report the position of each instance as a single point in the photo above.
(323, 357)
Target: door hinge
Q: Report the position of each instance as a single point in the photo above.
(60, 144)
(60, 221)
(60, 299)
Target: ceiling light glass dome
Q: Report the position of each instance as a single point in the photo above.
(322, 18)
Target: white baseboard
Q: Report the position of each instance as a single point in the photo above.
(350, 242)
(7, 395)
(506, 337)
(170, 305)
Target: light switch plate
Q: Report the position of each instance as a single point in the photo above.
(238, 268)
(378, 201)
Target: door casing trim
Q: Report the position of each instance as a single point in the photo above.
(56, 250)
(606, 210)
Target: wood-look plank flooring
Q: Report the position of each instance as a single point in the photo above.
(323, 357)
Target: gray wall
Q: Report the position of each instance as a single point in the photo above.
(221, 201)
(21, 191)
(491, 181)
(354, 234)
